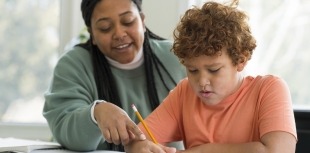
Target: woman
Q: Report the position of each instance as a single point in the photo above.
(94, 84)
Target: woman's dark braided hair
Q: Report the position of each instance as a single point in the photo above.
(103, 75)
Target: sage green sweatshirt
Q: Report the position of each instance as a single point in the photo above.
(73, 91)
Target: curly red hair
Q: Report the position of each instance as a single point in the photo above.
(211, 28)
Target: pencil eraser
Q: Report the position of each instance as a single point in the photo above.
(134, 107)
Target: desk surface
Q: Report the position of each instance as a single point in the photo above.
(68, 151)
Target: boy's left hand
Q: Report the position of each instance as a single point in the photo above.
(146, 146)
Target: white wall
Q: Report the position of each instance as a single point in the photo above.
(162, 16)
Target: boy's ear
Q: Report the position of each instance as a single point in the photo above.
(242, 64)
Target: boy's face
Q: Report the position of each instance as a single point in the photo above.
(213, 78)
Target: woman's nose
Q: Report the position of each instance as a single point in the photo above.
(119, 33)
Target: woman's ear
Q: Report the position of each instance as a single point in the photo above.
(142, 19)
(91, 35)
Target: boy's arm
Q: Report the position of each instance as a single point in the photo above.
(147, 146)
(272, 142)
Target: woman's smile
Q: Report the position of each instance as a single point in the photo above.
(123, 47)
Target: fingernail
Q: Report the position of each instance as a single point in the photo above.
(142, 137)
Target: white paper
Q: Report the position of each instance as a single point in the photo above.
(23, 145)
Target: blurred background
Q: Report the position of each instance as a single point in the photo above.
(34, 33)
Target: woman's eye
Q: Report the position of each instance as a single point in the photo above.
(128, 23)
(128, 20)
(104, 30)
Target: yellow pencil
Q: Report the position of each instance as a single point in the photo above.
(143, 123)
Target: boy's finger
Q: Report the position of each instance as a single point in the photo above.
(137, 132)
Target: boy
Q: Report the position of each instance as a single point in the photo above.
(217, 109)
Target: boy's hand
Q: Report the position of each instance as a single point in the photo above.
(146, 146)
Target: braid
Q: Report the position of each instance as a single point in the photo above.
(148, 60)
(106, 85)
(157, 61)
(105, 82)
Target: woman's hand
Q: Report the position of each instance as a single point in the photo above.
(146, 146)
(115, 125)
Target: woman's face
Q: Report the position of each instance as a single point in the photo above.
(117, 29)
(213, 78)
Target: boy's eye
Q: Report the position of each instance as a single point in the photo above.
(214, 70)
(191, 70)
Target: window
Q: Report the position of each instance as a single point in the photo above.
(281, 29)
(29, 44)
(34, 34)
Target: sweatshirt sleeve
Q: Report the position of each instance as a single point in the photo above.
(68, 102)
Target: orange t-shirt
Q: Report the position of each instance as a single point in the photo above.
(261, 105)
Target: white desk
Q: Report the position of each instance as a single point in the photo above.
(67, 151)
(35, 146)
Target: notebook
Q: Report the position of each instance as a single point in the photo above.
(24, 145)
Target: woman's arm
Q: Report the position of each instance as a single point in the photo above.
(68, 102)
